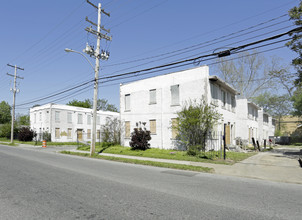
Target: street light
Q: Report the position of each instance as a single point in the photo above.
(74, 51)
(94, 114)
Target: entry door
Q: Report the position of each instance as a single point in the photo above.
(80, 134)
(227, 135)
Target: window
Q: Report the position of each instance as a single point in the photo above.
(174, 129)
(233, 102)
(127, 102)
(175, 95)
(265, 118)
(88, 133)
(35, 117)
(127, 129)
(69, 133)
(98, 120)
(80, 119)
(214, 94)
(40, 116)
(229, 101)
(223, 98)
(69, 117)
(153, 126)
(152, 93)
(98, 134)
(57, 132)
(57, 116)
(89, 119)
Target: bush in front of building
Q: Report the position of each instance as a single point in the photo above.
(26, 134)
(46, 136)
(140, 138)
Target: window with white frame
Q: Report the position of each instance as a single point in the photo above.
(40, 116)
(69, 117)
(175, 95)
(89, 119)
(233, 102)
(80, 118)
(127, 102)
(214, 94)
(152, 94)
(35, 118)
(223, 98)
(57, 116)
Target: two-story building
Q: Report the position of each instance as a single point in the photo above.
(155, 102)
(67, 123)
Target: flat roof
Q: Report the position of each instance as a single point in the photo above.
(223, 83)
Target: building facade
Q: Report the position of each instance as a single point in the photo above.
(155, 102)
(67, 123)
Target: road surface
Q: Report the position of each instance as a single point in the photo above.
(39, 184)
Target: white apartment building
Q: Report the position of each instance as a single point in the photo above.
(156, 100)
(67, 123)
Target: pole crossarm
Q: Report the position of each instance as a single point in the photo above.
(16, 76)
(104, 36)
(102, 10)
(16, 67)
(102, 27)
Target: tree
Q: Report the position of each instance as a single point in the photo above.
(249, 74)
(295, 44)
(84, 104)
(23, 120)
(111, 131)
(276, 105)
(5, 112)
(297, 102)
(102, 104)
(194, 121)
(140, 138)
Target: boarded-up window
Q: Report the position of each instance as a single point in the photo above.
(175, 95)
(88, 133)
(57, 134)
(69, 133)
(89, 119)
(57, 116)
(174, 128)
(80, 119)
(152, 93)
(69, 117)
(153, 126)
(127, 102)
(127, 129)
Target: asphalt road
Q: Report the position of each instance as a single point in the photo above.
(36, 184)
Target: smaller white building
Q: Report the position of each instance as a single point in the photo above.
(67, 123)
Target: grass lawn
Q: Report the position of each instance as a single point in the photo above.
(149, 163)
(208, 157)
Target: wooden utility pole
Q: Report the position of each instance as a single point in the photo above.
(14, 90)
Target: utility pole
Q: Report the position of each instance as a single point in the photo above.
(104, 55)
(14, 90)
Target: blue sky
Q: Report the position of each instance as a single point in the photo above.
(34, 34)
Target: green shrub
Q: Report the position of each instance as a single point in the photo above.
(194, 150)
(26, 134)
(46, 136)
